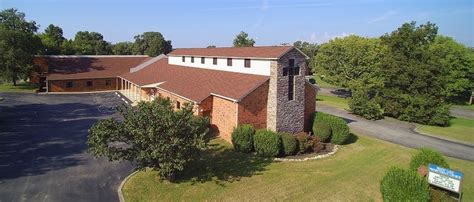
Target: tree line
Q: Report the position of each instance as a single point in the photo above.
(412, 74)
(20, 42)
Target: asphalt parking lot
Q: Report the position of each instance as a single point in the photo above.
(43, 151)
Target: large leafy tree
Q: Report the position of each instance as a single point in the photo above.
(91, 43)
(52, 39)
(152, 135)
(243, 40)
(413, 86)
(151, 44)
(18, 45)
(456, 63)
(122, 48)
(310, 49)
(351, 62)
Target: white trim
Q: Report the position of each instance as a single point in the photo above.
(147, 63)
(214, 56)
(227, 98)
(153, 85)
(306, 57)
(177, 95)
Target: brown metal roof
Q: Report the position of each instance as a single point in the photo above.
(245, 52)
(196, 84)
(89, 67)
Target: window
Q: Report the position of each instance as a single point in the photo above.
(229, 61)
(89, 83)
(178, 105)
(183, 59)
(69, 84)
(192, 59)
(214, 61)
(202, 60)
(247, 63)
(291, 87)
(108, 82)
(291, 63)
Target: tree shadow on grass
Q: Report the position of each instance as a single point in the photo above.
(221, 164)
(352, 139)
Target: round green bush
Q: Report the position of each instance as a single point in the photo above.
(340, 130)
(404, 185)
(267, 143)
(323, 131)
(290, 145)
(242, 138)
(426, 156)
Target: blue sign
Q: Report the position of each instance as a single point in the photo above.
(444, 171)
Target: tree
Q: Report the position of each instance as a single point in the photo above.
(18, 45)
(211, 46)
(123, 48)
(456, 63)
(242, 40)
(351, 62)
(413, 86)
(310, 49)
(52, 39)
(91, 43)
(152, 135)
(67, 48)
(151, 44)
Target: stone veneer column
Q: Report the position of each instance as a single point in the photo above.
(282, 114)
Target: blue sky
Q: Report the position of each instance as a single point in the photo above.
(269, 22)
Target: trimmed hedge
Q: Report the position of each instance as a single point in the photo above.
(340, 130)
(289, 143)
(267, 143)
(323, 131)
(426, 156)
(242, 138)
(404, 185)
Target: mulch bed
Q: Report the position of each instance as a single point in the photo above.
(328, 148)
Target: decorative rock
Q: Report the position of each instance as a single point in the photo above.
(321, 156)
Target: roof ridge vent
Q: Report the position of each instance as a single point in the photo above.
(145, 64)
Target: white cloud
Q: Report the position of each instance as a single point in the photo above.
(323, 38)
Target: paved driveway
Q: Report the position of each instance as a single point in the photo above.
(401, 133)
(43, 151)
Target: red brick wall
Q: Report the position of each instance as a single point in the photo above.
(80, 85)
(310, 105)
(253, 108)
(224, 116)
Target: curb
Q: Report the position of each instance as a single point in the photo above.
(441, 138)
(321, 156)
(75, 93)
(119, 190)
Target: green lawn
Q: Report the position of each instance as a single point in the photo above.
(324, 84)
(460, 129)
(333, 101)
(19, 88)
(352, 174)
(467, 106)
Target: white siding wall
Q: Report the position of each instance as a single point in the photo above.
(257, 66)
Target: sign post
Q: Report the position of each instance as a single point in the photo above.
(447, 179)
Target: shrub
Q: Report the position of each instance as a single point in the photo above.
(404, 185)
(360, 104)
(323, 131)
(340, 130)
(302, 139)
(314, 144)
(290, 145)
(426, 156)
(242, 138)
(267, 143)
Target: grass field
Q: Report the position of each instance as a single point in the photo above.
(352, 174)
(467, 106)
(19, 88)
(333, 101)
(460, 129)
